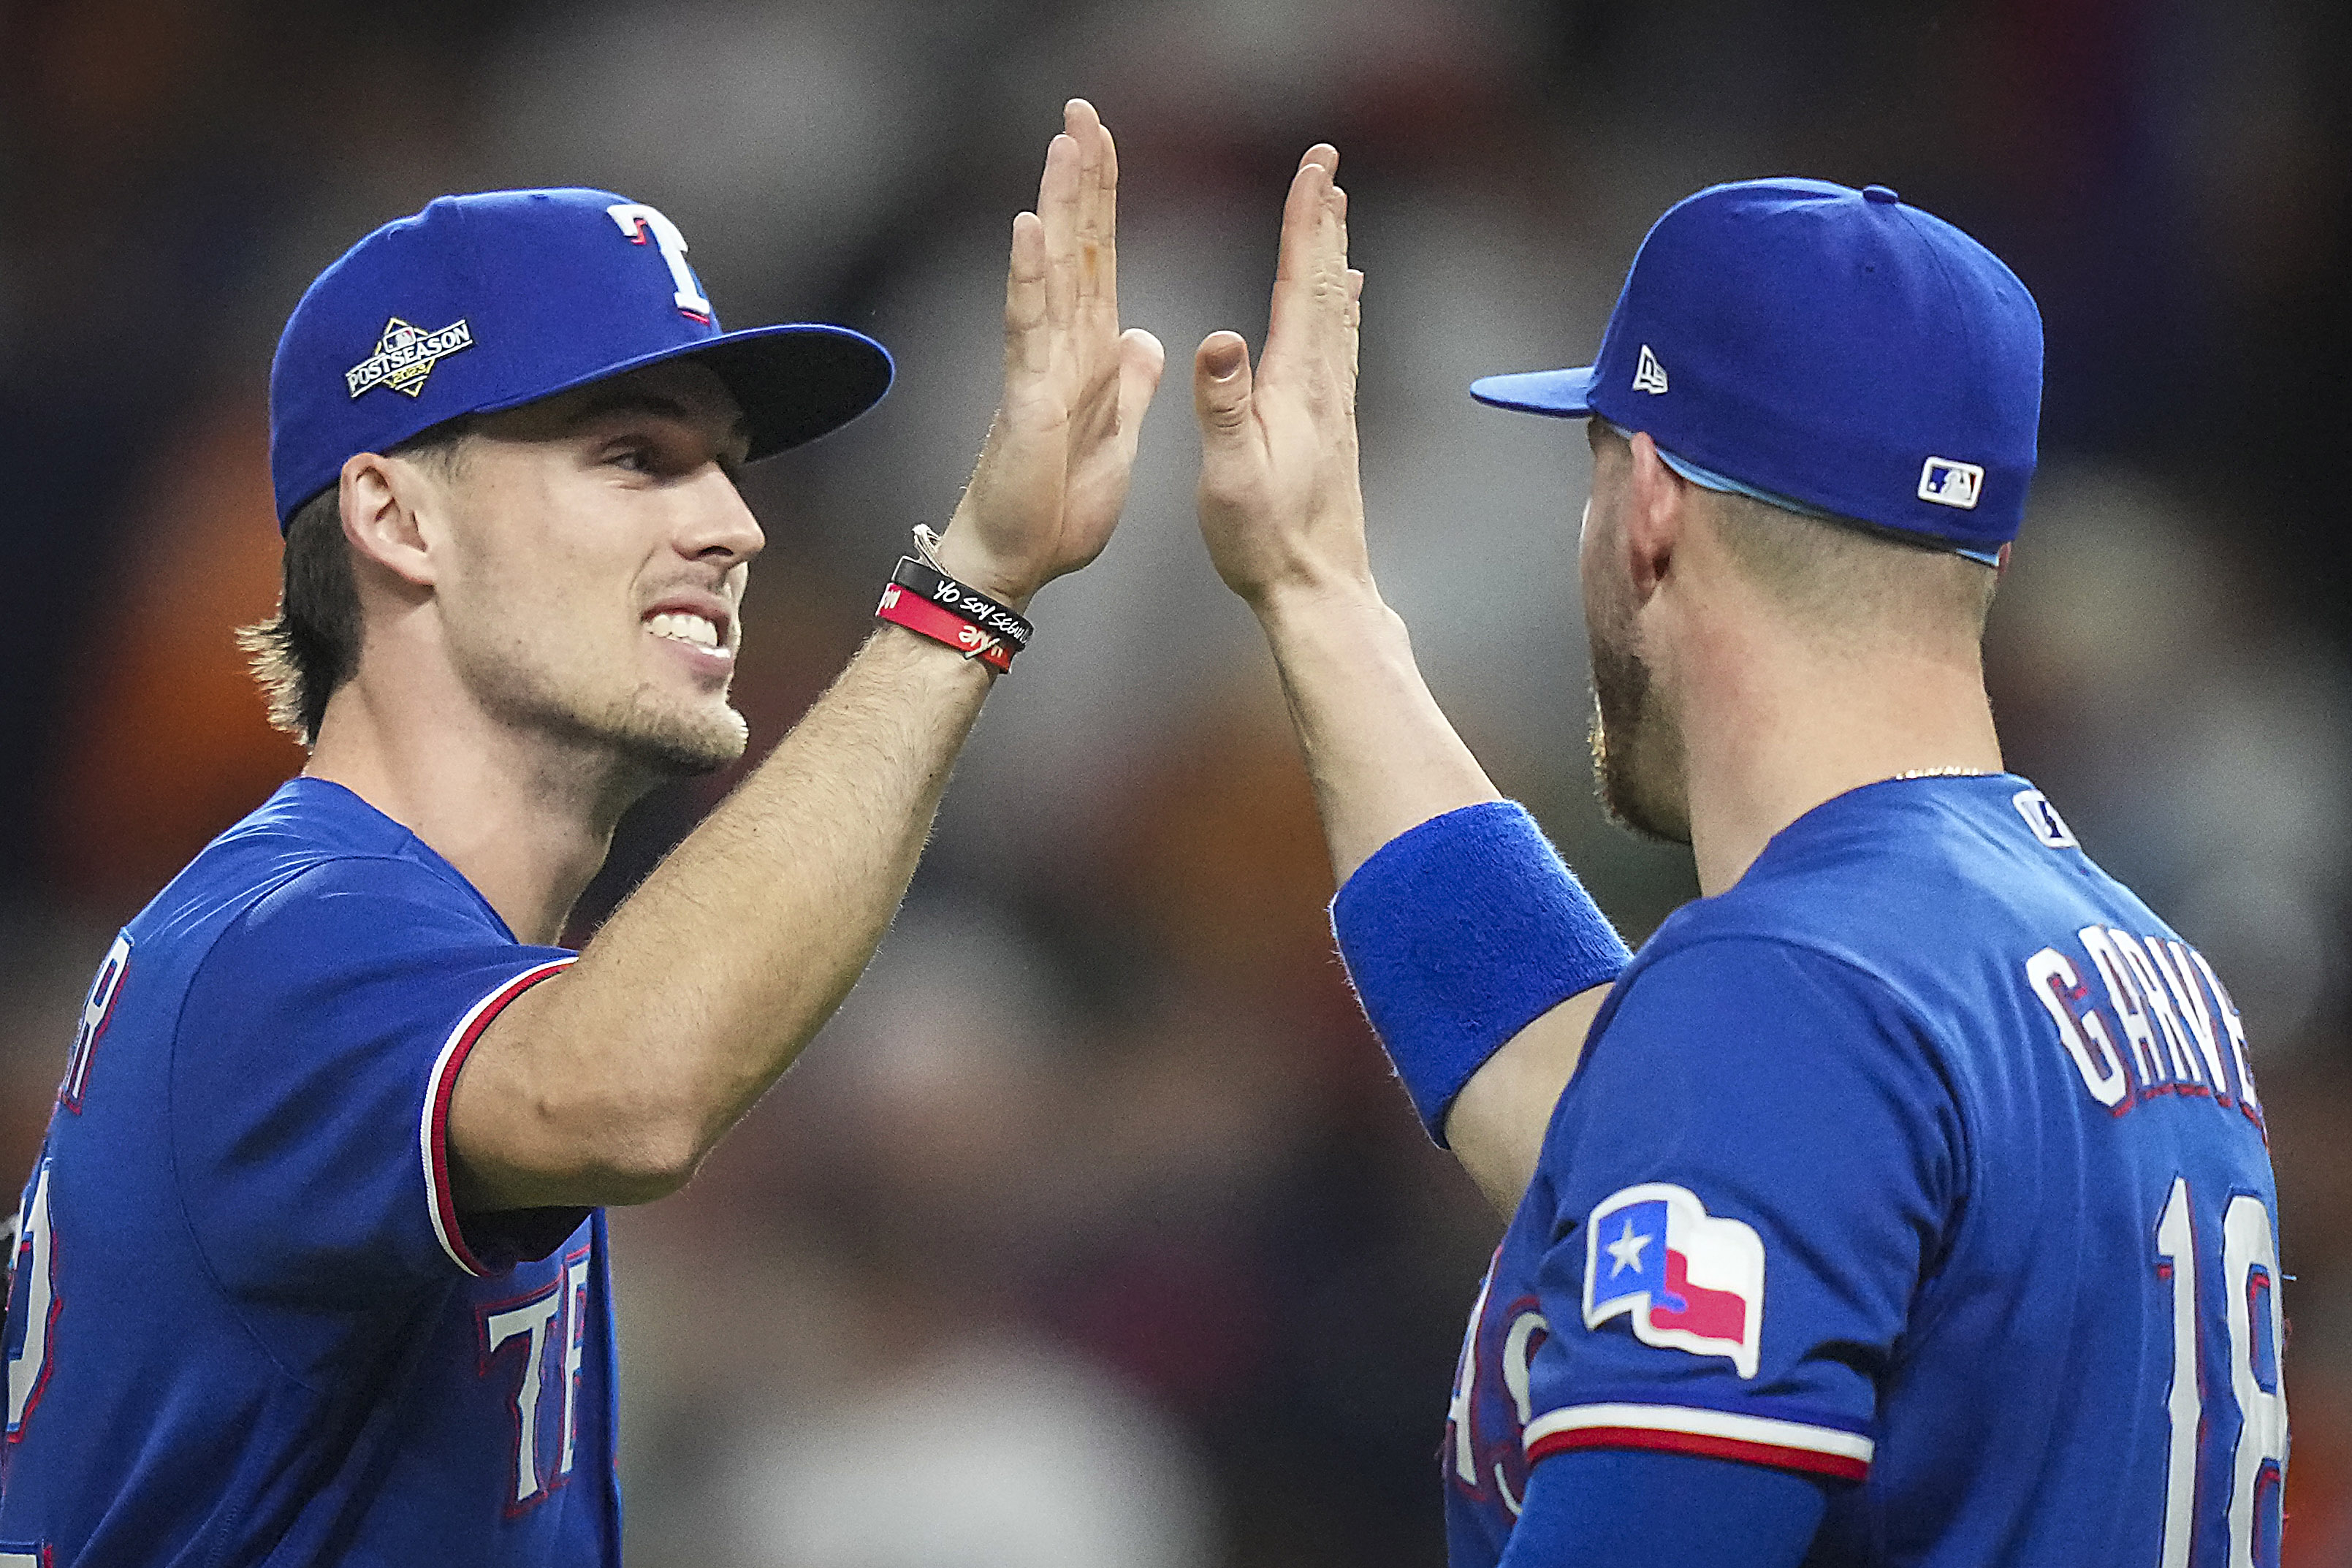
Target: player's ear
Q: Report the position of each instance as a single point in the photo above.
(1656, 506)
(380, 499)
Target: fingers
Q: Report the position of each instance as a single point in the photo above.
(1077, 217)
(1097, 212)
(1355, 318)
(1309, 326)
(1220, 392)
(1028, 334)
(1140, 362)
(1294, 261)
(1344, 308)
(1140, 355)
(1058, 209)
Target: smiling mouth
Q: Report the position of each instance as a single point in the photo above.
(681, 625)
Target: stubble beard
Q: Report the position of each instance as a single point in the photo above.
(1636, 756)
(671, 744)
(650, 737)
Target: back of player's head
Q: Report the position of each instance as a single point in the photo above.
(1837, 353)
(1834, 581)
(1865, 588)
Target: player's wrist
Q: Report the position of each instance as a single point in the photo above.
(1441, 1005)
(1332, 630)
(1311, 603)
(926, 598)
(964, 556)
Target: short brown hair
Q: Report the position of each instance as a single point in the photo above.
(302, 655)
(1843, 575)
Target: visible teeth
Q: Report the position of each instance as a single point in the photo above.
(691, 628)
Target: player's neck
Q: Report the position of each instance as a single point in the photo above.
(1773, 727)
(524, 816)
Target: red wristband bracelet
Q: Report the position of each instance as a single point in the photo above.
(925, 619)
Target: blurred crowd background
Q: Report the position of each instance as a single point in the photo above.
(1094, 1231)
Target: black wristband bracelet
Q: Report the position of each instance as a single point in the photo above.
(973, 605)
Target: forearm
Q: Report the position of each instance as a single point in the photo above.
(1471, 927)
(1382, 756)
(610, 1083)
(1384, 759)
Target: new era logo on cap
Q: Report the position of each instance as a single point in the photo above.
(1949, 483)
(1649, 375)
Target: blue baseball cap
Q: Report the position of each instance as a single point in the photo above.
(489, 301)
(1818, 345)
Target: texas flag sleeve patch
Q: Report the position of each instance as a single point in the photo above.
(1692, 1282)
(1688, 1281)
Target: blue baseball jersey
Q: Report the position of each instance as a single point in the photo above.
(247, 1322)
(1926, 1160)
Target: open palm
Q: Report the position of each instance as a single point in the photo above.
(1281, 501)
(1054, 475)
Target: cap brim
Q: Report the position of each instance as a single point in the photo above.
(798, 382)
(1562, 393)
(795, 382)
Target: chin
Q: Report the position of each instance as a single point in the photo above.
(690, 748)
(1632, 794)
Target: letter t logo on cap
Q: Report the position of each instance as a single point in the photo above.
(635, 218)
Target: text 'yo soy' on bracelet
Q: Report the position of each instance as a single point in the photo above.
(925, 600)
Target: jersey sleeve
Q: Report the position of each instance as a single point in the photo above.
(1750, 1177)
(311, 1076)
(1598, 1509)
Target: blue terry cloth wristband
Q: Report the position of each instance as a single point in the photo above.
(1461, 933)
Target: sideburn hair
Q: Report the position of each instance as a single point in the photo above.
(302, 656)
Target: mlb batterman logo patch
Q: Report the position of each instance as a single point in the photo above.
(2042, 818)
(1949, 483)
(1687, 1281)
(404, 356)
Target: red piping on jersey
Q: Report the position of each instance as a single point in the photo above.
(1771, 1454)
(444, 1089)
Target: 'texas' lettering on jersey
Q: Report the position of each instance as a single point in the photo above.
(2151, 1030)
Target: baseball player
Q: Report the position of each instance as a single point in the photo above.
(1907, 1199)
(312, 1267)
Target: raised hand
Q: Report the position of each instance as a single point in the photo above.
(1283, 511)
(1281, 503)
(1054, 474)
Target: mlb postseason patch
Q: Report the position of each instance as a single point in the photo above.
(1687, 1281)
(404, 356)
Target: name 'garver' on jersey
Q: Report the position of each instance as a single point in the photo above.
(2155, 1033)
